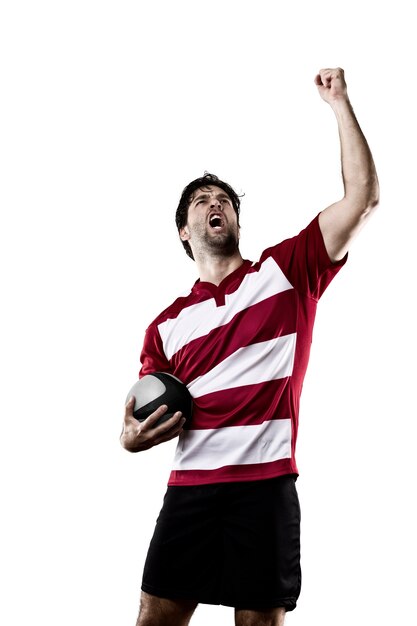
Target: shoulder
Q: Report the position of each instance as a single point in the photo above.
(174, 309)
(287, 247)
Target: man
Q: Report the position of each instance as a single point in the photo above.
(228, 532)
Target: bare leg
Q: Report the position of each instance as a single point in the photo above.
(272, 617)
(163, 612)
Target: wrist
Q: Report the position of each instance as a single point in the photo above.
(345, 115)
(341, 105)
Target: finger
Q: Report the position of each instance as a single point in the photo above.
(331, 73)
(166, 426)
(177, 421)
(128, 416)
(150, 421)
(129, 406)
(172, 433)
(326, 78)
(325, 75)
(130, 403)
(317, 80)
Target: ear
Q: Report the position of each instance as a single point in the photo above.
(184, 234)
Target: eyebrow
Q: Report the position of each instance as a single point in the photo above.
(204, 196)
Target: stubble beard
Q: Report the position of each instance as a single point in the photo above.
(224, 244)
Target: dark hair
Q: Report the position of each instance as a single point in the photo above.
(187, 197)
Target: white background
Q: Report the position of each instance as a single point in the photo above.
(108, 109)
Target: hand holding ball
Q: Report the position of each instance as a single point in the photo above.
(153, 390)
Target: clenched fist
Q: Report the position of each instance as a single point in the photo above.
(331, 85)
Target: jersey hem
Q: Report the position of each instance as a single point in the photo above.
(208, 477)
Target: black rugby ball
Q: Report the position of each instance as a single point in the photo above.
(153, 390)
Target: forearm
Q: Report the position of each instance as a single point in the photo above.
(358, 169)
(341, 221)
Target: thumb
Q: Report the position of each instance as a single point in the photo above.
(129, 406)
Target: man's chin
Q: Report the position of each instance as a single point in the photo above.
(223, 244)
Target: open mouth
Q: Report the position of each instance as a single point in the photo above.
(216, 221)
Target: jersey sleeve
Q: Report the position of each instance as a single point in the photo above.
(305, 262)
(152, 357)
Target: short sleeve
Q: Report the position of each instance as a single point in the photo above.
(305, 262)
(152, 357)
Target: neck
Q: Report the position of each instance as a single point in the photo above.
(215, 269)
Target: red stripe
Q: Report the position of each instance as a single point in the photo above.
(240, 406)
(271, 318)
(233, 473)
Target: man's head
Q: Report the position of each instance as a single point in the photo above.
(205, 196)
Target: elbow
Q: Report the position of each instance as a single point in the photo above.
(373, 199)
(371, 206)
(368, 209)
(367, 198)
(374, 192)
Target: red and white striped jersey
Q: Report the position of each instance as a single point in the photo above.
(242, 349)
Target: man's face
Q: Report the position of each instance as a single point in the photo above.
(211, 223)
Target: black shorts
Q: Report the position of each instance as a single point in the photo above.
(236, 544)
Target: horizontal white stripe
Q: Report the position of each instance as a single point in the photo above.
(199, 319)
(258, 363)
(233, 445)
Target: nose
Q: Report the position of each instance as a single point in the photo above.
(216, 204)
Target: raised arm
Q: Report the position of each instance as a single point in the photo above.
(342, 221)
